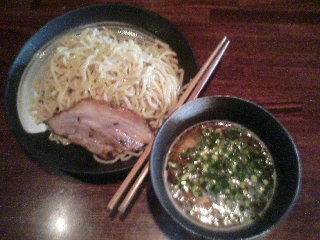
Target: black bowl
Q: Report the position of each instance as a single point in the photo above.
(72, 158)
(266, 127)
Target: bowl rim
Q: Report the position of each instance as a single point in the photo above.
(164, 202)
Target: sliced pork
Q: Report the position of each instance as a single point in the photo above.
(102, 129)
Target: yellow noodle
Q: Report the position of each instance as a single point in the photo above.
(144, 77)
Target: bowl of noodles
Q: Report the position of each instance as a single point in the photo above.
(130, 58)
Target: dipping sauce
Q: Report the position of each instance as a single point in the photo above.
(220, 174)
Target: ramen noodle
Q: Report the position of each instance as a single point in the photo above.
(143, 76)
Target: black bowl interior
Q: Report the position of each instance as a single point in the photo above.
(73, 158)
(261, 122)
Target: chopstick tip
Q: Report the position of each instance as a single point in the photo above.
(122, 210)
(111, 206)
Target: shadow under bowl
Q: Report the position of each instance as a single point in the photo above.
(277, 139)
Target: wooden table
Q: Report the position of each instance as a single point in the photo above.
(273, 60)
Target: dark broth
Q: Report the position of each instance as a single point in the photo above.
(220, 174)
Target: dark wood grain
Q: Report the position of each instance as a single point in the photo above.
(273, 60)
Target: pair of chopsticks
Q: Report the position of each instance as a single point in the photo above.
(191, 93)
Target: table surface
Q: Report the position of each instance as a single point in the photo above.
(273, 60)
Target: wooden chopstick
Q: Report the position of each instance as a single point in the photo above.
(218, 55)
(125, 184)
(126, 201)
(198, 76)
(199, 80)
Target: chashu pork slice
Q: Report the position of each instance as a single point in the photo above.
(102, 129)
